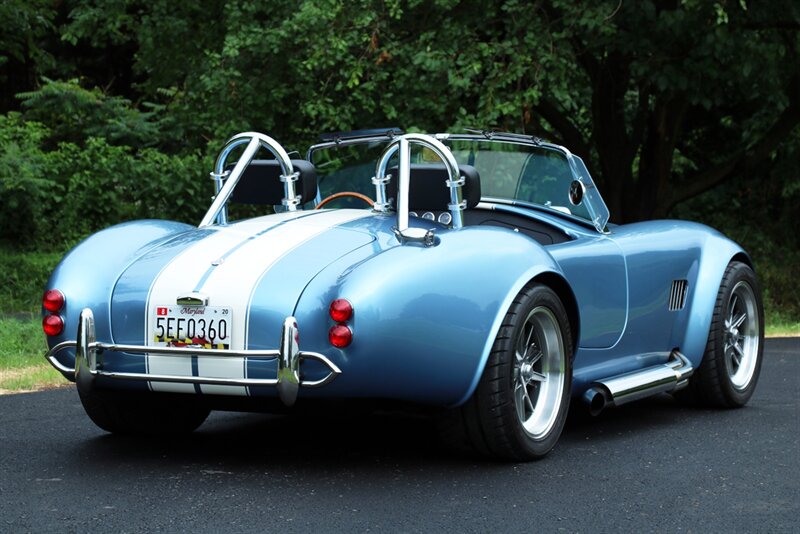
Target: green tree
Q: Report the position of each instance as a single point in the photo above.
(664, 98)
(679, 107)
(24, 55)
(74, 114)
(682, 96)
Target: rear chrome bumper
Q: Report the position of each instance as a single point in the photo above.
(287, 381)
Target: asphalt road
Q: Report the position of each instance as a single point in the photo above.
(651, 466)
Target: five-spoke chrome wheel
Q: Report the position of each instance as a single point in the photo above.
(741, 336)
(539, 372)
(728, 374)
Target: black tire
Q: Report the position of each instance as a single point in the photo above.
(496, 421)
(729, 372)
(135, 413)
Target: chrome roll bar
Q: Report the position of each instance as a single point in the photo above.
(289, 357)
(226, 181)
(455, 182)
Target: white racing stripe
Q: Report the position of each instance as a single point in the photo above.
(249, 251)
(180, 276)
(232, 284)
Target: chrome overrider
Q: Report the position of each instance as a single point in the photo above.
(622, 389)
(289, 357)
(455, 182)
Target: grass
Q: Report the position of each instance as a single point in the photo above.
(781, 324)
(22, 363)
(23, 276)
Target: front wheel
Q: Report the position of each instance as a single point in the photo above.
(520, 405)
(731, 364)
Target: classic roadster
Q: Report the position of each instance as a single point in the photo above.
(476, 275)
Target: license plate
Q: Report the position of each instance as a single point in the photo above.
(201, 327)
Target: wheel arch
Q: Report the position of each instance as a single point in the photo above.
(562, 288)
(452, 297)
(717, 254)
(744, 258)
(548, 276)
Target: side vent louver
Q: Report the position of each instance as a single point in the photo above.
(677, 295)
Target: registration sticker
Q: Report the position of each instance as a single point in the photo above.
(201, 327)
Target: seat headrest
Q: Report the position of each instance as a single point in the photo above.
(428, 190)
(260, 183)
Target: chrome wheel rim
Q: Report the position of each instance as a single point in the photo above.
(741, 335)
(539, 372)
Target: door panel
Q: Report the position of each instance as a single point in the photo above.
(596, 271)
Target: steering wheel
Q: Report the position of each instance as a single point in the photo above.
(343, 194)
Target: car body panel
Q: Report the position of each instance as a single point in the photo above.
(596, 270)
(424, 317)
(655, 253)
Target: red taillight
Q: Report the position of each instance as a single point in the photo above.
(340, 335)
(53, 325)
(53, 300)
(341, 310)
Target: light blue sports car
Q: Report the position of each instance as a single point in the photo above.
(471, 276)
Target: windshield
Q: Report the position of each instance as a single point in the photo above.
(526, 173)
(509, 170)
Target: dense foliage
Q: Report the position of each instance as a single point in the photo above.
(55, 196)
(112, 109)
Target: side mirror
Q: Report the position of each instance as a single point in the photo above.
(576, 192)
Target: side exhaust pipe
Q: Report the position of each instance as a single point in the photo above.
(628, 387)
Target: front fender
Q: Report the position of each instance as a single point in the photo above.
(717, 251)
(425, 318)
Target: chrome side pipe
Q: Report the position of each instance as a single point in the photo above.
(622, 389)
(289, 357)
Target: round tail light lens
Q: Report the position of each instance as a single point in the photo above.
(341, 310)
(53, 300)
(340, 336)
(53, 325)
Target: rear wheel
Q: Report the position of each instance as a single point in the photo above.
(731, 364)
(520, 405)
(125, 412)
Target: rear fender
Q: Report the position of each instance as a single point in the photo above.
(88, 273)
(425, 318)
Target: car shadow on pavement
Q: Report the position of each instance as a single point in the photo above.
(243, 440)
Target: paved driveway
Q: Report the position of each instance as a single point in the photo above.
(652, 466)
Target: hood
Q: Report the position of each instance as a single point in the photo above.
(262, 263)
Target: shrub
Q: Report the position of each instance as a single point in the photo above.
(26, 180)
(106, 184)
(79, 189)
(74, 114)
(23, 276)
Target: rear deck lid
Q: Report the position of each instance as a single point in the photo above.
(220, 269)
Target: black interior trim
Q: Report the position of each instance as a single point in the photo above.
(428, 188)
(260, 183)
(543, 233)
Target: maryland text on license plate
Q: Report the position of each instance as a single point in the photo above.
(206, 327)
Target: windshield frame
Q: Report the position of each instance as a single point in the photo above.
(598, 211)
